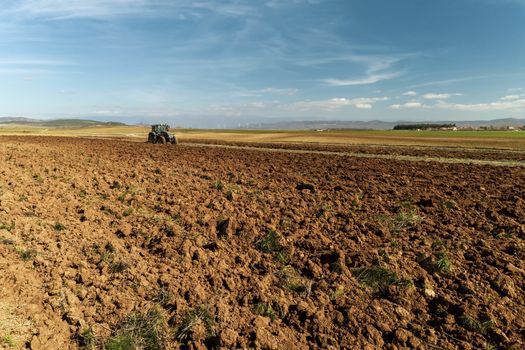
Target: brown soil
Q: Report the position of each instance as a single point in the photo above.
(251, 249)
(407, 150)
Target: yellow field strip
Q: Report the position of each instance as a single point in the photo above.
(474, 139)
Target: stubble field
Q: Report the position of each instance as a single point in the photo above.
(115, 244)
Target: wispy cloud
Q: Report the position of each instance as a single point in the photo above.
(451, 81)
(33, 62)
(500, 2)
(377, 69)
(103, 9)
(23, 71)
(281, 3)
(29, 66)
(108, 112)
(266, 91)
(276, 91)
(248, 108)
(370, 79)
(269, 91)
(410, 93)
(57, 9)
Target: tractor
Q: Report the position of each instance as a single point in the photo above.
(160, 134)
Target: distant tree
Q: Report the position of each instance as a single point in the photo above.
(425, 126)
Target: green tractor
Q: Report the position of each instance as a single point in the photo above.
(160, 134)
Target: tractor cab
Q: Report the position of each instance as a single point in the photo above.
(160, 134)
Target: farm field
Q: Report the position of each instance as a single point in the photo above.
(513, 140)
(211, 244)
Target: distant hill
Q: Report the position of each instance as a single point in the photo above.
(57, 123)
(377, 124)
(494, 122)
(17, 120)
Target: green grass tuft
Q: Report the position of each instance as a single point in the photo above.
(218, 185)
(292, 280)
(270, 242)
(281, 257)
(87, 339)
(118, 267)
(8, 341)
(7, 226)
(379, 279)
(139, 331)
(28, 254)
(194, 316)
(474, 325)
(442, 263)
(59, 227)
(267, 310)
(120, 342)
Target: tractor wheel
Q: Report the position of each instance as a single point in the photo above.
(161, 140)
(174, 140)
(151, 137)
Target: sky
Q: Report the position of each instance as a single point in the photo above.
(228, 62)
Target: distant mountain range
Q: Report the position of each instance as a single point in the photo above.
(271, 125)
(377, 124)
(56, 123)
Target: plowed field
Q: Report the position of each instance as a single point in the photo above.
(128, 245)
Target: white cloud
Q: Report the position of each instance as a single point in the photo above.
(500, 105)
(511, 97)
(409, 105)
(363, 106)
(509, 102)
(337, 103)
(442, 96)
(410, 93)
(432, 96)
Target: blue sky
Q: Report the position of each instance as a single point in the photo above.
(213, 63)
